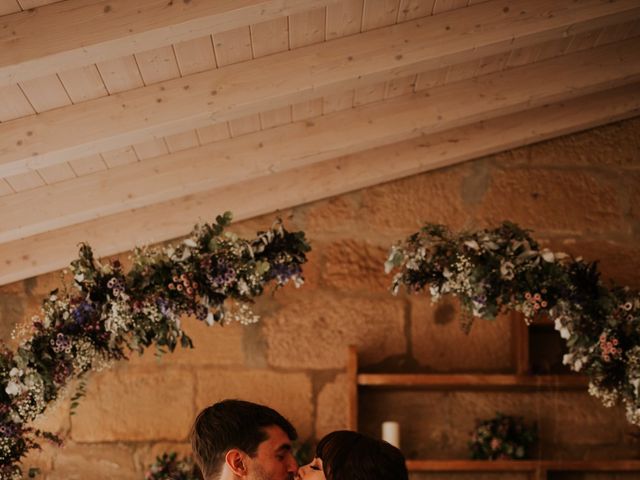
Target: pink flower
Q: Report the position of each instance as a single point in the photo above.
(495, 443)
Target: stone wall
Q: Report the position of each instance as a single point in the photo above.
(579, 193)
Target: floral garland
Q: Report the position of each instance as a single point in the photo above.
(502, 438)
(493, 271)
(110, 314)
(169, 467)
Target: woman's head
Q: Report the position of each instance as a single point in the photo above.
(346, 455)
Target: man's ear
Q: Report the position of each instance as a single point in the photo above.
(236, 461)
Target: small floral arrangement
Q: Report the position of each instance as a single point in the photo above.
(212, 275)
(169, 467)
(502, 438)
(494, 271)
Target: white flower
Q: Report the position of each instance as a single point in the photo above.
(190, 243)
(547, 255)
(506, 270)
(567, 359)
(472, 244)
(564, 333)
(210, 321)
(13, 389)
(577, 366)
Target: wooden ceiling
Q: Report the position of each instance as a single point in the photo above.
(124, 122)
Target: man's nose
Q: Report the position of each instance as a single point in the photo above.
(293, 465)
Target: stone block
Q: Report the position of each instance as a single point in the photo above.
(12, 312)
(97, 462)
(314, 331)
(288, 393)
(613, 145)
(135, 405)
(214, 345)
(352, 265)
(56, 418)
(439, 342)
(552, 200)
(403, 206)
(146, 455)
(332, 406)
(336, 214)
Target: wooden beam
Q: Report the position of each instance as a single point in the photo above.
(121, 232)
(290, 77)
(310, 141)
(74, 33)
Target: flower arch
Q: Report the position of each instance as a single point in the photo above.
(503, 269)
(212, 275)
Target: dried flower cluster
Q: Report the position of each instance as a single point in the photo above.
(494, 271)
(502, 438)
(169, 467)
(212, 276)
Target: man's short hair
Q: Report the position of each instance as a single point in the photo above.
(232, 424)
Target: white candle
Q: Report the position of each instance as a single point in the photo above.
(391, 433)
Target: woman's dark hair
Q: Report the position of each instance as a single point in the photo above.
(232, 424)
(350, 455)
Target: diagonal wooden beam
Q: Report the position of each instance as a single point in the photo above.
(243, 89)
(121, 232)
(289, 146)
(74, 33)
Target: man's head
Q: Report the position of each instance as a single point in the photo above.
(248, 440)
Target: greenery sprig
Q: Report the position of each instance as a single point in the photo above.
(503, 269)
(212, 275)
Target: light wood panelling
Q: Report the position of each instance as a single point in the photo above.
(213, 133)
(121, 232)
(84, 83)
(270, 37)
(27, 4)
(157, 65)
(379, 13)
(307, 28)
(338, 101)
(7, 7)
(308, 109)
(195, 55)
(369, 94)
(182, 141)
(583, 41)
(448, 5)
(25, 181)
(80, 33)
(304, 143)
(553, 48)
(462, 71)
(5, 188)
(273, 118)
(119, 157)
(45, 93)
(13, 104)
(410, 9)
(344, 18)
(233, 46)
(401, 86)
(245, 125)
(614, 33)
(151, 148)
(56, 173)
(431, 79)
(360, 60)
(88, 165)
(523, 56)
(120, 74)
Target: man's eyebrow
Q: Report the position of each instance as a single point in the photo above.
(285, 447)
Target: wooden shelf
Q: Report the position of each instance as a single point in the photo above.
(471, 381)
(523, 465)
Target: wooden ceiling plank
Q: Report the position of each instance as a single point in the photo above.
(83, 83)
(583, 40)
(275, 117)
(45, 93)
(450, 106)
(56, 173)
(27, 4)
(244, 126)
(82, 32)
(410, 9)
(120, 74)
(431, 79)
(344, 18)
(25, 181)
(9, 6)
(213, 133)
(338, 101)
(233, 46)
(614, 33)
(307, 28)
(195, 55)
(157, 65)
(523, 56)
(365, 59)
(308, 109)
(5, 188)
(369, 94)
(442, 6)
(399, 87)
(121, 232)
(88, 165)
(182, 141)
(151, 148)
(119, 157)
(462, 71)
(379, 13)
(270, 37)
(553, 48)
(13, 103)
